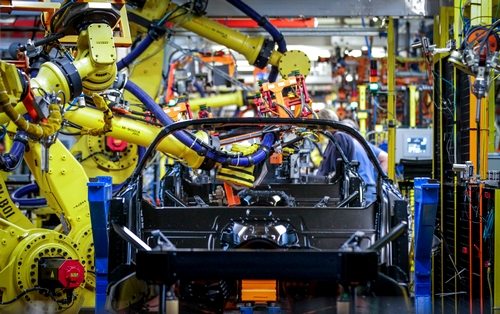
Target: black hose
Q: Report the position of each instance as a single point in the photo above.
(290, 201)
(22, 294)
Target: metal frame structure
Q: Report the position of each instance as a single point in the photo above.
(332, 265)
(461, 272)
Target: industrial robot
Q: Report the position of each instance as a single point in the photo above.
(57, 266)
(107, 155)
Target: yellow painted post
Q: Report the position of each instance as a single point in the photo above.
(481, 12)
(484, 130)
(491, 118)
(480, 15)
(362, 114)
(413, 105)
(391, 95)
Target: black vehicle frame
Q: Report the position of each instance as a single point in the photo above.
(311, 237)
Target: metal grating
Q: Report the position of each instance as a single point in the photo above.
(447, 282)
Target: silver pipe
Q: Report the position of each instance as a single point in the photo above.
(320, 31)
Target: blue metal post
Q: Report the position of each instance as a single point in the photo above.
(426, 204)
(100, 194)
(246, 309)
(273, 309)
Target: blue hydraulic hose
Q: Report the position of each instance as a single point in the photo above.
(18, 196)
(137, 51)
(199, 89)
(188, 140)
(368, 46)
(11, 160)
(273, 75)
(264, 23)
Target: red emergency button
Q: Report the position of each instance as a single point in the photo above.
(115, 145)
(71, 274)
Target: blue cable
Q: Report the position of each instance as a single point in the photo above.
(270, 28)
(188, 140)
(366, 39)
(3, 132)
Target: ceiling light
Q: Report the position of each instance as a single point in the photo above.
(355, 53)
(378, 52)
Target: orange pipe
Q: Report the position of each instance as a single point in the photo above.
(170, 83)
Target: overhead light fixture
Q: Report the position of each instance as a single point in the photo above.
(378, 52)
(348, 77)
(355, 53)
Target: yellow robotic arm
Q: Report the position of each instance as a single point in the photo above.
(237, 98)
(93, 69)
(63, 183)
(259, 51)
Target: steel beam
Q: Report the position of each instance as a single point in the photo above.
(331, 8)
(307, 32)
(391, 101)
